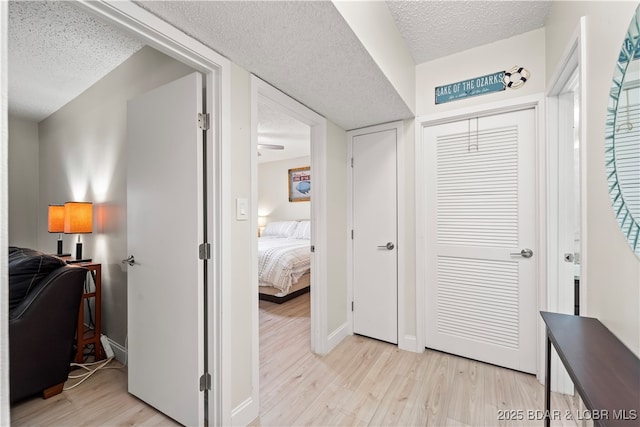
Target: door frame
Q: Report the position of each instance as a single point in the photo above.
(162, 36)
(4, 219)
(572, 61)
(569, 65)
(537, 103)
(264, 92)
(405, 341)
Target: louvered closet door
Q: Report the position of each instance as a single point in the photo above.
(481, 293)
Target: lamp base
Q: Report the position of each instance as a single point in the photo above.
(78, 250)
(59, 253)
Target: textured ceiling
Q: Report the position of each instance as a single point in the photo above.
(277, 128)
(55, 53)
(437, 28)
(304, 48)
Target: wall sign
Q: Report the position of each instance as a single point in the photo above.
(300, 184)
(496, 82)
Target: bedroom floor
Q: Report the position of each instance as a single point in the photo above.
(368, 382)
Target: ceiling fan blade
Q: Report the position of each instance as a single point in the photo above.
(270, 147)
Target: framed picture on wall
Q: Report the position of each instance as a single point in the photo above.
(300, 184)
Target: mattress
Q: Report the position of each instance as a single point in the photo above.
(282, 262)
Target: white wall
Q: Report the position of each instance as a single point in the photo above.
(613, 271)
(23, 185)
(82, 158)
(336, 227)
(241, 231)
(525, 50)
(273, 193)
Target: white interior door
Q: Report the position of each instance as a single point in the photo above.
(164, 227)
(481, 292)
(375, 256)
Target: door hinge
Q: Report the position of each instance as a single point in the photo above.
(352, 306)
(204, 121)
(352, 162)
(313, 248)
(204, 251)
(352, 234)
(205, 382)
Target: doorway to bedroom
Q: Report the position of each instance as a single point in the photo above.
(284, 205)
(288, 208)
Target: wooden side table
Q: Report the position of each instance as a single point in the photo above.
(605, 372)
(86, 334)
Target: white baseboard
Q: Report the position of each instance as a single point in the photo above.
(409, 343)
(337, 336)
(245, 413)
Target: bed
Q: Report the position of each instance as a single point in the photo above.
(284, 260)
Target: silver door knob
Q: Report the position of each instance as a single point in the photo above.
(131, 260)
(569, 257)
(389, 246)
(525, 253)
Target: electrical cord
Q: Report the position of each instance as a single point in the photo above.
(88, 374)
(83, 366)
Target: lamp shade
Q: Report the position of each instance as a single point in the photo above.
(55, 223)
(78, 217)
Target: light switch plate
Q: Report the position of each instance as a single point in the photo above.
(242, 209)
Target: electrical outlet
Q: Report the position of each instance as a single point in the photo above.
(106, 346)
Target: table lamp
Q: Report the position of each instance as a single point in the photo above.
(78, 219)
(55, 224)
(262, 222)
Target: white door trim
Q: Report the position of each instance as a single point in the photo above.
(157, 33)
(405, 342)
(535, 102)
(264, 92)
(571, 61)
(4, 220)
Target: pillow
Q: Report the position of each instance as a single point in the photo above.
(279, 229)
(26, 268)
(303, 231)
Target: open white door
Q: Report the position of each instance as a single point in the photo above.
(481, 256)
(164, 228)
(375, 235)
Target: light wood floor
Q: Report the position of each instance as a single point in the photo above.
(102, 400)
(362, 382)
(368, 382)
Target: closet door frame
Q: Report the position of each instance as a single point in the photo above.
(535, 102)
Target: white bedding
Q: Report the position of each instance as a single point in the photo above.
(282, 261)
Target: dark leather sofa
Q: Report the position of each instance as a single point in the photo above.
(44, 298)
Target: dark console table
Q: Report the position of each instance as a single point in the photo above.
(604, 371)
